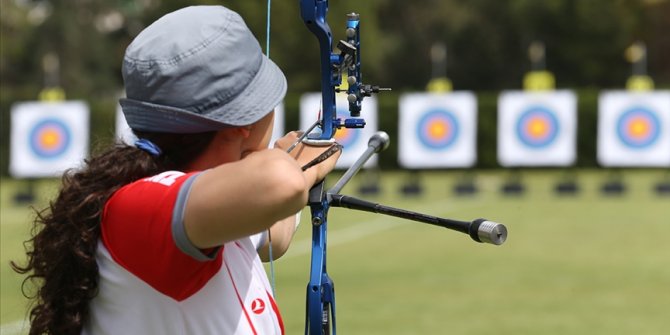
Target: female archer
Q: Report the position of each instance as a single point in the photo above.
(164, 237)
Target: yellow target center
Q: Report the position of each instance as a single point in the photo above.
(638, 128)
(49, 139)
(341, 133)
(438, 130)
(537, 128)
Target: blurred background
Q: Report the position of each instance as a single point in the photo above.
(588, 258)
(78, 46)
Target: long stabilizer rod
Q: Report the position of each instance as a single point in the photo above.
(480, 230)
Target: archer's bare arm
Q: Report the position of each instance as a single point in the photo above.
(281, 235)
(282, 232)
(248, 196)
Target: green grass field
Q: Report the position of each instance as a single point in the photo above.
(583, 264)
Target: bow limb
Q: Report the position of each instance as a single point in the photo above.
(314, 13)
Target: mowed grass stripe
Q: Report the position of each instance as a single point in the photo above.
(588, 264)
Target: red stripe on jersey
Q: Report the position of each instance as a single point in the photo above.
(237, 293)
(272, 301)
(136, 230)
(276, 310)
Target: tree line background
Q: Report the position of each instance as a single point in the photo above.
(487, 51)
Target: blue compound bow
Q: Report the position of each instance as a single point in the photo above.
(320, 314)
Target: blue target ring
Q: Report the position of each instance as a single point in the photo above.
(346, 136)
(638, 128)
(537, 127)
(50, 138)
(438, 129)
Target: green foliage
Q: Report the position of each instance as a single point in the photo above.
(486, 40)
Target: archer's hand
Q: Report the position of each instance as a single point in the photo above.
(305, 154)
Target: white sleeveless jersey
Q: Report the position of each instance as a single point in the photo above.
(153, 281)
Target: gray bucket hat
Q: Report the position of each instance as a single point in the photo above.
(198, 69)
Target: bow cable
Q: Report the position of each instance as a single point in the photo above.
(267, 53)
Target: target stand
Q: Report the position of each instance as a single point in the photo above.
(25, 194)
(662, 188)
(567, 185)
(513, 185)
(614, 185)
(370, 183)
(465, 185)
(412, 186)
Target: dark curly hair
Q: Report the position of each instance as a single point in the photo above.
(61, 262)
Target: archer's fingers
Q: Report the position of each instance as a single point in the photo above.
(287, 140)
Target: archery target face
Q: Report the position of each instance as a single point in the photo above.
(537, 128)
(638, 127)
(634, 129)
(437, 130)
(353, 140)
(47, 138)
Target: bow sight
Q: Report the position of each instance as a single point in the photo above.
(333, 66)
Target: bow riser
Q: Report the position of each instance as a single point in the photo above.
(320, 318)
